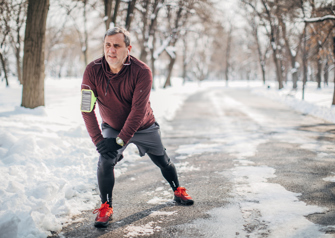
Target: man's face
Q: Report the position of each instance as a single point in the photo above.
(116, 51)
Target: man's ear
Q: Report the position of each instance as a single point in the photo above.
(129, 49)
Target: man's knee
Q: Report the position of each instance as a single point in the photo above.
(105, 166)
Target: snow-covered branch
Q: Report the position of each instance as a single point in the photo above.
(162, 48)
(319, 19)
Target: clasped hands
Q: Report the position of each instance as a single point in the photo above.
(108, 148)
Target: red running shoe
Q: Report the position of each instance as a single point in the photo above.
(181, 197)
(105, 213)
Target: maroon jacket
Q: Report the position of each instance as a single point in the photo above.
(123, 98)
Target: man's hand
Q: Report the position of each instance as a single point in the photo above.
(108, 145)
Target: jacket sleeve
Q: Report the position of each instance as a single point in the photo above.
(139, 106)
(90, 118)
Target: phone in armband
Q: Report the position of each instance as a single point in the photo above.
(87, 100)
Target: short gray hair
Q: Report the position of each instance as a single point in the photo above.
(117, 30)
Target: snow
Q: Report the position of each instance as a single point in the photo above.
(48, 162)
(317, 102)
(317, 19)
(146, 230)
(165, 43)
(170, 50)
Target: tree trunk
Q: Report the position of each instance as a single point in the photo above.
(4, 68)
(157, 5)
(18, 45)
(116, 9)
(33, 59)
(293, 56)
(130, 13)
(185, 50)
(295, 76)
(326, 74)
(153, 72)
(281, 64)
(228, 53)
(334, 78)
(304, 62)
(318, 74)
(274, 44)
(85, 34)
(168, 78)
(278, 69)
(153, 69)
(334, 70)
(18, 65)
(175, 37)
(261, 58)
(145, 35)
(108, 12)
(263, 71)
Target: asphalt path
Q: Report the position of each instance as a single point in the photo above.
(216, 131)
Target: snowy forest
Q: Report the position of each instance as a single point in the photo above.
(282, 40)
(243, 93)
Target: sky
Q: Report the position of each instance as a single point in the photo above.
(48, 162)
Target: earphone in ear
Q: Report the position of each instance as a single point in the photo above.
(126, 57)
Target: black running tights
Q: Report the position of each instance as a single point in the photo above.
(106, 177)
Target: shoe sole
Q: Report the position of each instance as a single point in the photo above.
(182, 202)
(101, 224)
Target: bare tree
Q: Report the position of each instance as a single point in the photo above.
(12, 19)
(149, 15)
(130, 13)
(59, 37)
(33, 59)
(267, 15)
(83, 8)
(202, 62)
(109, 18)
(19, 12)
(228, 51)
(333, 103)
(108, 12)
(331, 18)
(3, 62)
(85, 48)
(4, 28)
(274, 39)
(189, 51)
(180, 16)
(116, 9)
(262, 53)
(289, 11)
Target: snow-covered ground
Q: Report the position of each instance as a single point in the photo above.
(48, 162)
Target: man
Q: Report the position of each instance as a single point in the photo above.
(122, 84)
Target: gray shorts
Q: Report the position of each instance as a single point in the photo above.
(147, 140)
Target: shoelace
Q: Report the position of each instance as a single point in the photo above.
(182, 191)
(103, 209)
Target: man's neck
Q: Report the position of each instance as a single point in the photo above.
(115, 70)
